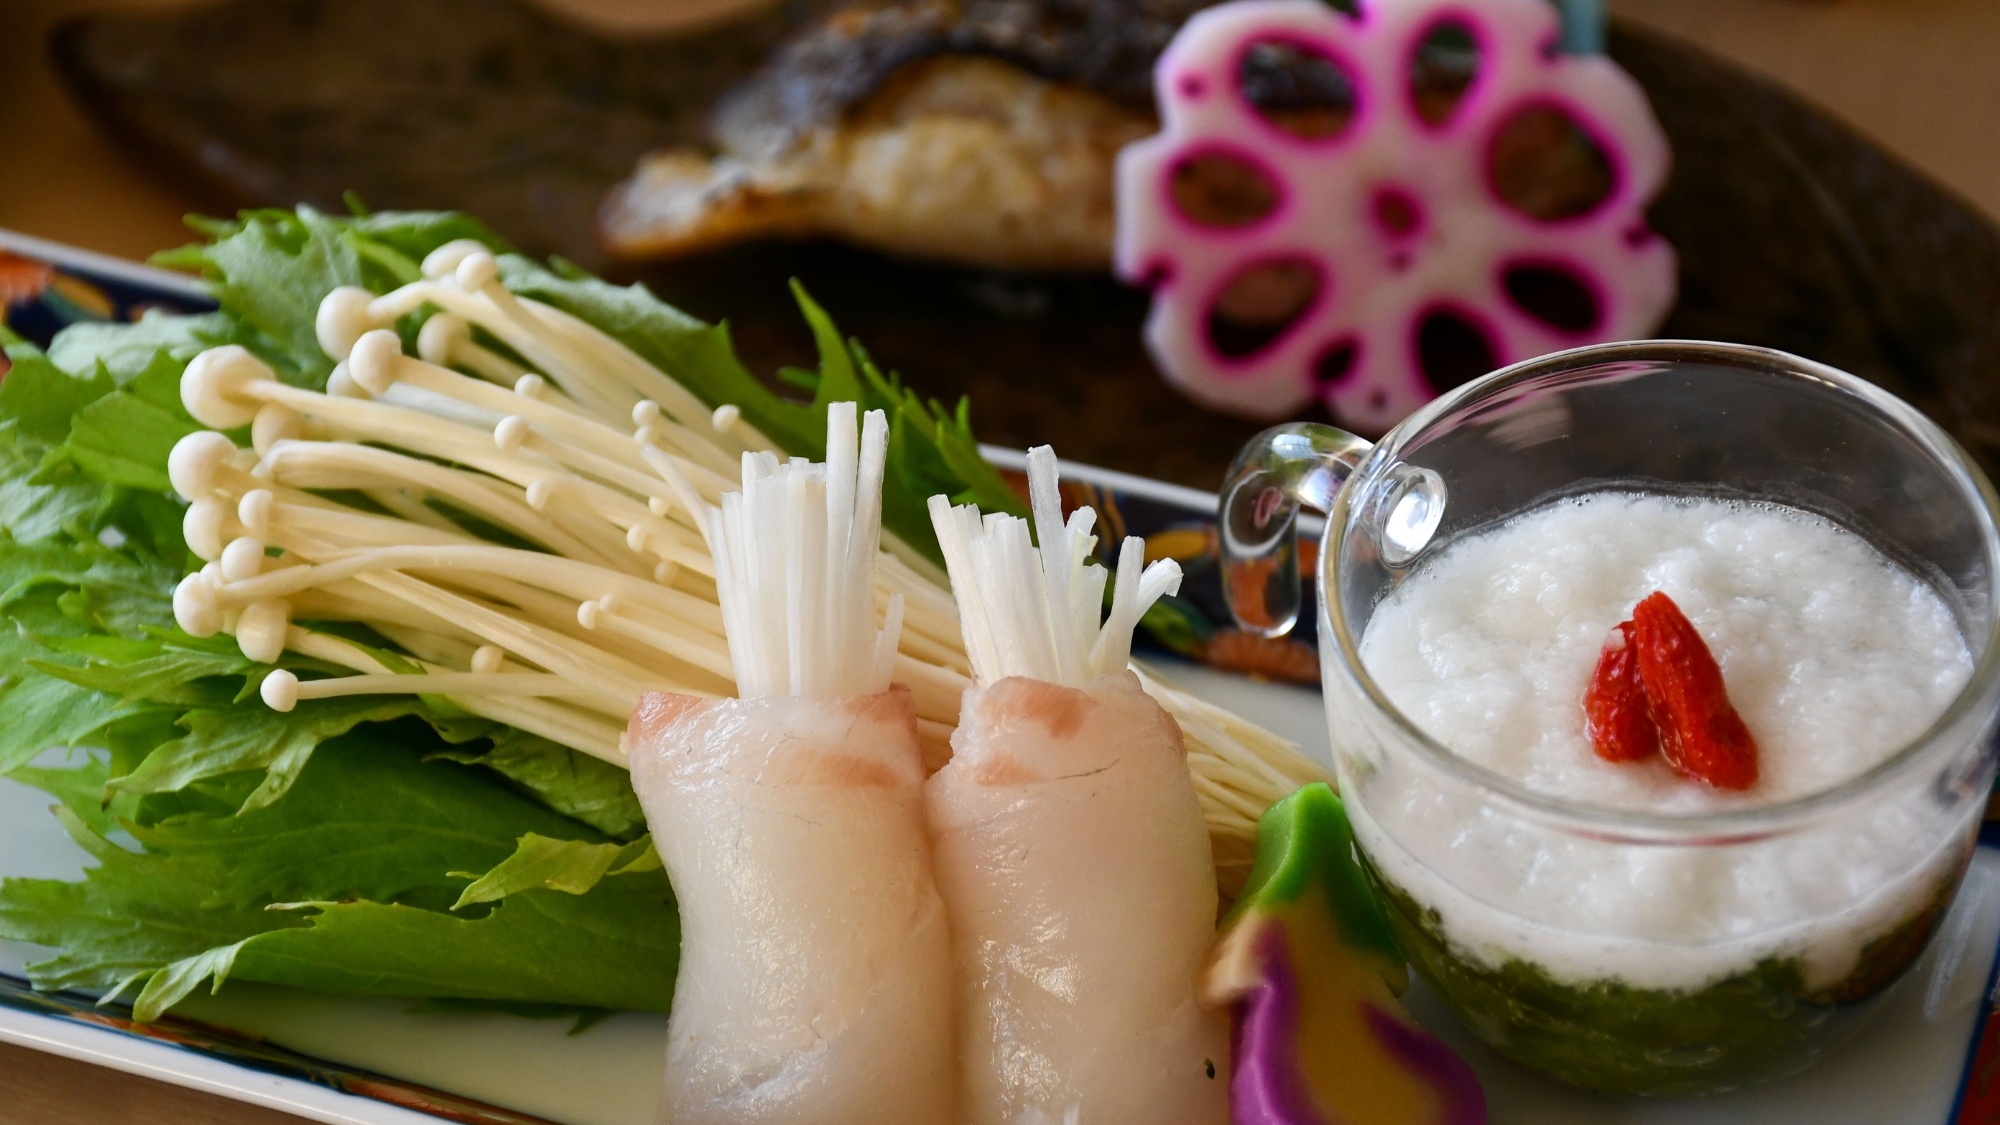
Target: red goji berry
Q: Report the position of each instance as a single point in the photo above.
(1701, 735)
(1614, 708)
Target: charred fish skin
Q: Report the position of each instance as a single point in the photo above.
(1105, 46)
(981, 133)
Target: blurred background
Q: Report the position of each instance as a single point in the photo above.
(1917, 76)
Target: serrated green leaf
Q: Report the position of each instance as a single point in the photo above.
(37, 510)
(80, 788)
(124, 351)
(270, 269)
(274, 270)
(616, 947)
(171, 985)
(364, 841)
(156, 678)
(39, 398)
(572, 783)
(570, 866)
(414, 234)
(131, 914)
(42, 711)
(369, 819)
(125, 438)
(251, 736)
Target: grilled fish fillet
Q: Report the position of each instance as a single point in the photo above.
(957, 159)
(1073, 860)
(815, 973)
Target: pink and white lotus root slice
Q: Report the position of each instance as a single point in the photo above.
(1400, 219)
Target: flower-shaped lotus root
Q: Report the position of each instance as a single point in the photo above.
(1373, 209)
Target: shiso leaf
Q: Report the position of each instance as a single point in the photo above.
(616, 947)
(343, 835)
(80, 788)
(151, 668)
(130, 914)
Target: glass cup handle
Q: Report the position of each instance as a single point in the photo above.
(1308, 463)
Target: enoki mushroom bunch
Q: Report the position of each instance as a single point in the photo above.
(535, 538)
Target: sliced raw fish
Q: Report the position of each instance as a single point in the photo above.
(1072, 856)
(815, 965)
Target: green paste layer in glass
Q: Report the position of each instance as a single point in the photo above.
(1612, 1037)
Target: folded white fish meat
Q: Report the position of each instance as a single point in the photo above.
(1072, 856)
(814, 982)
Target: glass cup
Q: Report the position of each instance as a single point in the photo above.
(1661, 1000)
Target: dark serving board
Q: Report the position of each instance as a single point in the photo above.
(1793, 231)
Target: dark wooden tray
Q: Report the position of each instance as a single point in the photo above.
(1793, 231)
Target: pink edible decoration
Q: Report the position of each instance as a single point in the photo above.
(1398, 217)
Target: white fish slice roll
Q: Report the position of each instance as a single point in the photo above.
(1069, 843)
(815, 975)
(814, 981)
(1073, 856)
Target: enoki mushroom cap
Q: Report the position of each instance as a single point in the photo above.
(196, 609)
(374, 361)
(260, 632)
(510, 433)
(280, 690)
(477, 270)
(443, 261)
(211, 388)
(243, 558)
(441, 336)
(253, 511)
(194, 462)
(342, 319)
(341, 383)
(202, 527)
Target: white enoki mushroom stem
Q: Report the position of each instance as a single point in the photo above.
(343, 465)
(795, 559)
(1034, 612)
(282, 690)
(551, 719)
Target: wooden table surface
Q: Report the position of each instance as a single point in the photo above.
(1920, 76)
